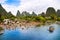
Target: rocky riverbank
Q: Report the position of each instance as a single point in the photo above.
(20, 24)
(23, 25)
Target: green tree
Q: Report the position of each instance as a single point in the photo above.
(58, 19)
(53, 17)
(40, 18)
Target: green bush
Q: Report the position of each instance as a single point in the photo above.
(58, 19)
(40, 18)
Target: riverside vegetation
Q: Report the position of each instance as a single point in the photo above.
(25, 18)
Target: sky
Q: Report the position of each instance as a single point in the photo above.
(37, 6)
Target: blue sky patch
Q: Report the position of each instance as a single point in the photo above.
(13, 2)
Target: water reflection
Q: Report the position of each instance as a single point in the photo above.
(35, 33)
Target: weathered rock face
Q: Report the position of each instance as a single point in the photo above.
(50, 11)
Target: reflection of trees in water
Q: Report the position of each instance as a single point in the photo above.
(1, 30)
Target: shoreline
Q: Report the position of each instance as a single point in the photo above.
(25, 24)
(14, 25)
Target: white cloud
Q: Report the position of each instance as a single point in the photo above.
(2, 1)
(37, 6)
(30, 5)
(8, 8)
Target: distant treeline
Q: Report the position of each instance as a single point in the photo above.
(50, 14)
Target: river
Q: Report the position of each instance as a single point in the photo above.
(35, 33)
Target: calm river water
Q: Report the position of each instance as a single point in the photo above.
(36, 33)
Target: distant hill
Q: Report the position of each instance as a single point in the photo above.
(58, 13)
(49, 12)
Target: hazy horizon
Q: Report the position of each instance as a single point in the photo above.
(37, 6)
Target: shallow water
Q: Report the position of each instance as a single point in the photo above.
(36, 33)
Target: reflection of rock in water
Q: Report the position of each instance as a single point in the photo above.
(51, 29)
(23, 27)
(1, 32)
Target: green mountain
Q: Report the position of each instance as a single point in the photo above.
(9, 15)
(50, 11)
(24, 13)
(18, 14)
(33, 14)
(4, 14)
(2, 11)
(43, 14)
(58, 13)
